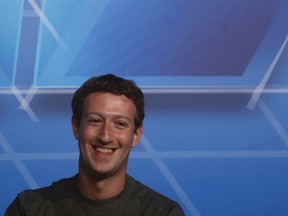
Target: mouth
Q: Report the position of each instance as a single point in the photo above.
(102, 150)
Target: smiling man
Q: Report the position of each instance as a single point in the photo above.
(108, 113)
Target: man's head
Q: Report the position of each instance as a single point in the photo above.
(109, 84)
(107, 122)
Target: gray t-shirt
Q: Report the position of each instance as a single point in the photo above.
(63, 198)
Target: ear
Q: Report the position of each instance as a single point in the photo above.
(136, 136)
(74, 127)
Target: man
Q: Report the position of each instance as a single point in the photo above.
(108, 112)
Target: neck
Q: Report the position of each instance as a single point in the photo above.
(100, 188)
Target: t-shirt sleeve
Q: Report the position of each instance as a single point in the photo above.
(175, 210)
(14, 208)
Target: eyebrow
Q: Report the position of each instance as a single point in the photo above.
(113, 115)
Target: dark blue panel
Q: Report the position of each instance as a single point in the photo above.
(10, 24)
(27, 49)
(160, 43)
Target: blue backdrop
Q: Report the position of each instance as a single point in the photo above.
(214, 74)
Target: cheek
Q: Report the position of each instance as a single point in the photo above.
(85, 134)
(128, 139)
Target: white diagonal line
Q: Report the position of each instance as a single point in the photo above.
(24, 104)
(259, 89)
(170, 178)
(18, 163)
(28, 98)
(89, 13)
(48, 24)
(273, 120)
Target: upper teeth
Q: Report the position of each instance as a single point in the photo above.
(104, 150)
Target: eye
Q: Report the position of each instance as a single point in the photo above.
(94, 121)
(121, 124)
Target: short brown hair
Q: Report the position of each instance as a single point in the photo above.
(109, 83)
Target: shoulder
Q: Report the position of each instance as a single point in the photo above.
(153, 200)
(50, 192)
(145, 192)
(29, 200)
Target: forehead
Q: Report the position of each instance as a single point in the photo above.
(108, 102)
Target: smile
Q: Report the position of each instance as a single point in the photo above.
(104, 150)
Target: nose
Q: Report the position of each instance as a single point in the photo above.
(105, 134)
